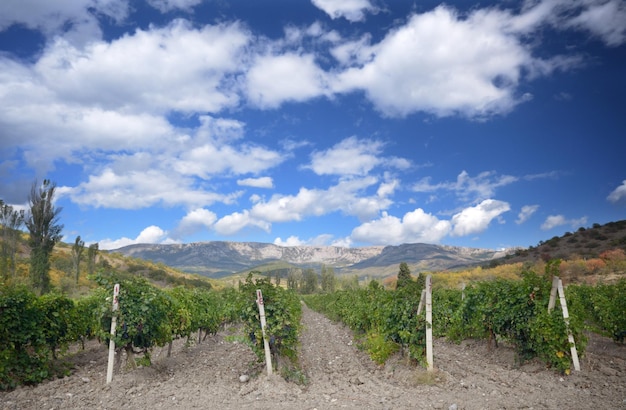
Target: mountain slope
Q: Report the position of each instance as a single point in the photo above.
(218, 258)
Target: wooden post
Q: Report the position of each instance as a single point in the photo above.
(557, 287)
(266, 345)
(116, 293)
(429, 323)
(422, 302)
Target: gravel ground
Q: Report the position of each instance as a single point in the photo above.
(338, 375)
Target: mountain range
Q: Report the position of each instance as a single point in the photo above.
(221, 258)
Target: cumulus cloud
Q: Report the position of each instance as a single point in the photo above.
(168, 5)
(480, 187)
(175, 67)
(353, 156)
(262, 182)
(433, 63)
(351, 10)
(151, 234)
(415, 226)
(477, 218)
(194, 221)
(618, 193)
(291, 241)
(526, 212)
(76, 20)
(345, 197)
(553, 221)
(237, 221)
(275, 79)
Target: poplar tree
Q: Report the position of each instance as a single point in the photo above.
(44, 229)
(10, 221)
(77, 251)
(404, 276)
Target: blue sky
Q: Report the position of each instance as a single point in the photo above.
(351, 123)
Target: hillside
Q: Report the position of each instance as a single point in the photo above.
(218, 259)
(62, 270)
(585, 243)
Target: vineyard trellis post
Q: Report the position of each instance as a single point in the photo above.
(266, 345)
(426, 300)
(116, 293)
(557, 287)
(429, 323)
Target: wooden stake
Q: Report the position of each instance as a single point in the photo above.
(429, 323)
(557, 287)
(266, 345)
(422, 302)
(116, 293)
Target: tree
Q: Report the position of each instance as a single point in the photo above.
(77, 250)
(309, 282)
(328, 279)
(293, 279)
(404, 276)
(92, 254)
(43, 225)
(10, 220)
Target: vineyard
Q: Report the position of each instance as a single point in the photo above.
(507, 315)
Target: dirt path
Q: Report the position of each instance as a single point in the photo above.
(206, 376)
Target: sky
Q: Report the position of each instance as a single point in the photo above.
(316, 122)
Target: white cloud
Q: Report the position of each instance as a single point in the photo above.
(351, 156)
(168, 5)
(553, 221)
(151, 234)
(274, 79)
(477, 218)
(262, 182)
(618, 193)
(194, 221)
(351, 10)
(291, 241)
(344, 197)
(466, 187)
(237, 221)
(138, 189)
(526, 212)
(443, 63)
(415, 226)
(176, 67)
(604, 19)
(75, 19)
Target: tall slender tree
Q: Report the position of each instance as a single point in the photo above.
(404, 276)
(10, 220)
(42, 221)
(328, 279)
(77, 250)
(92, 255)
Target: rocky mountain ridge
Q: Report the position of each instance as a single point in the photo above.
(221, 258)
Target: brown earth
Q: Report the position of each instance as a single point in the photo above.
(338, 375)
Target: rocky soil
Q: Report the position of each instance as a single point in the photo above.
(337, 374)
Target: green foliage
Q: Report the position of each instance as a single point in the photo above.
(379, 347)
(283, 312)
(602, 306)
(58, 314)
(44, 229)
(404, 275)
(516, 311)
